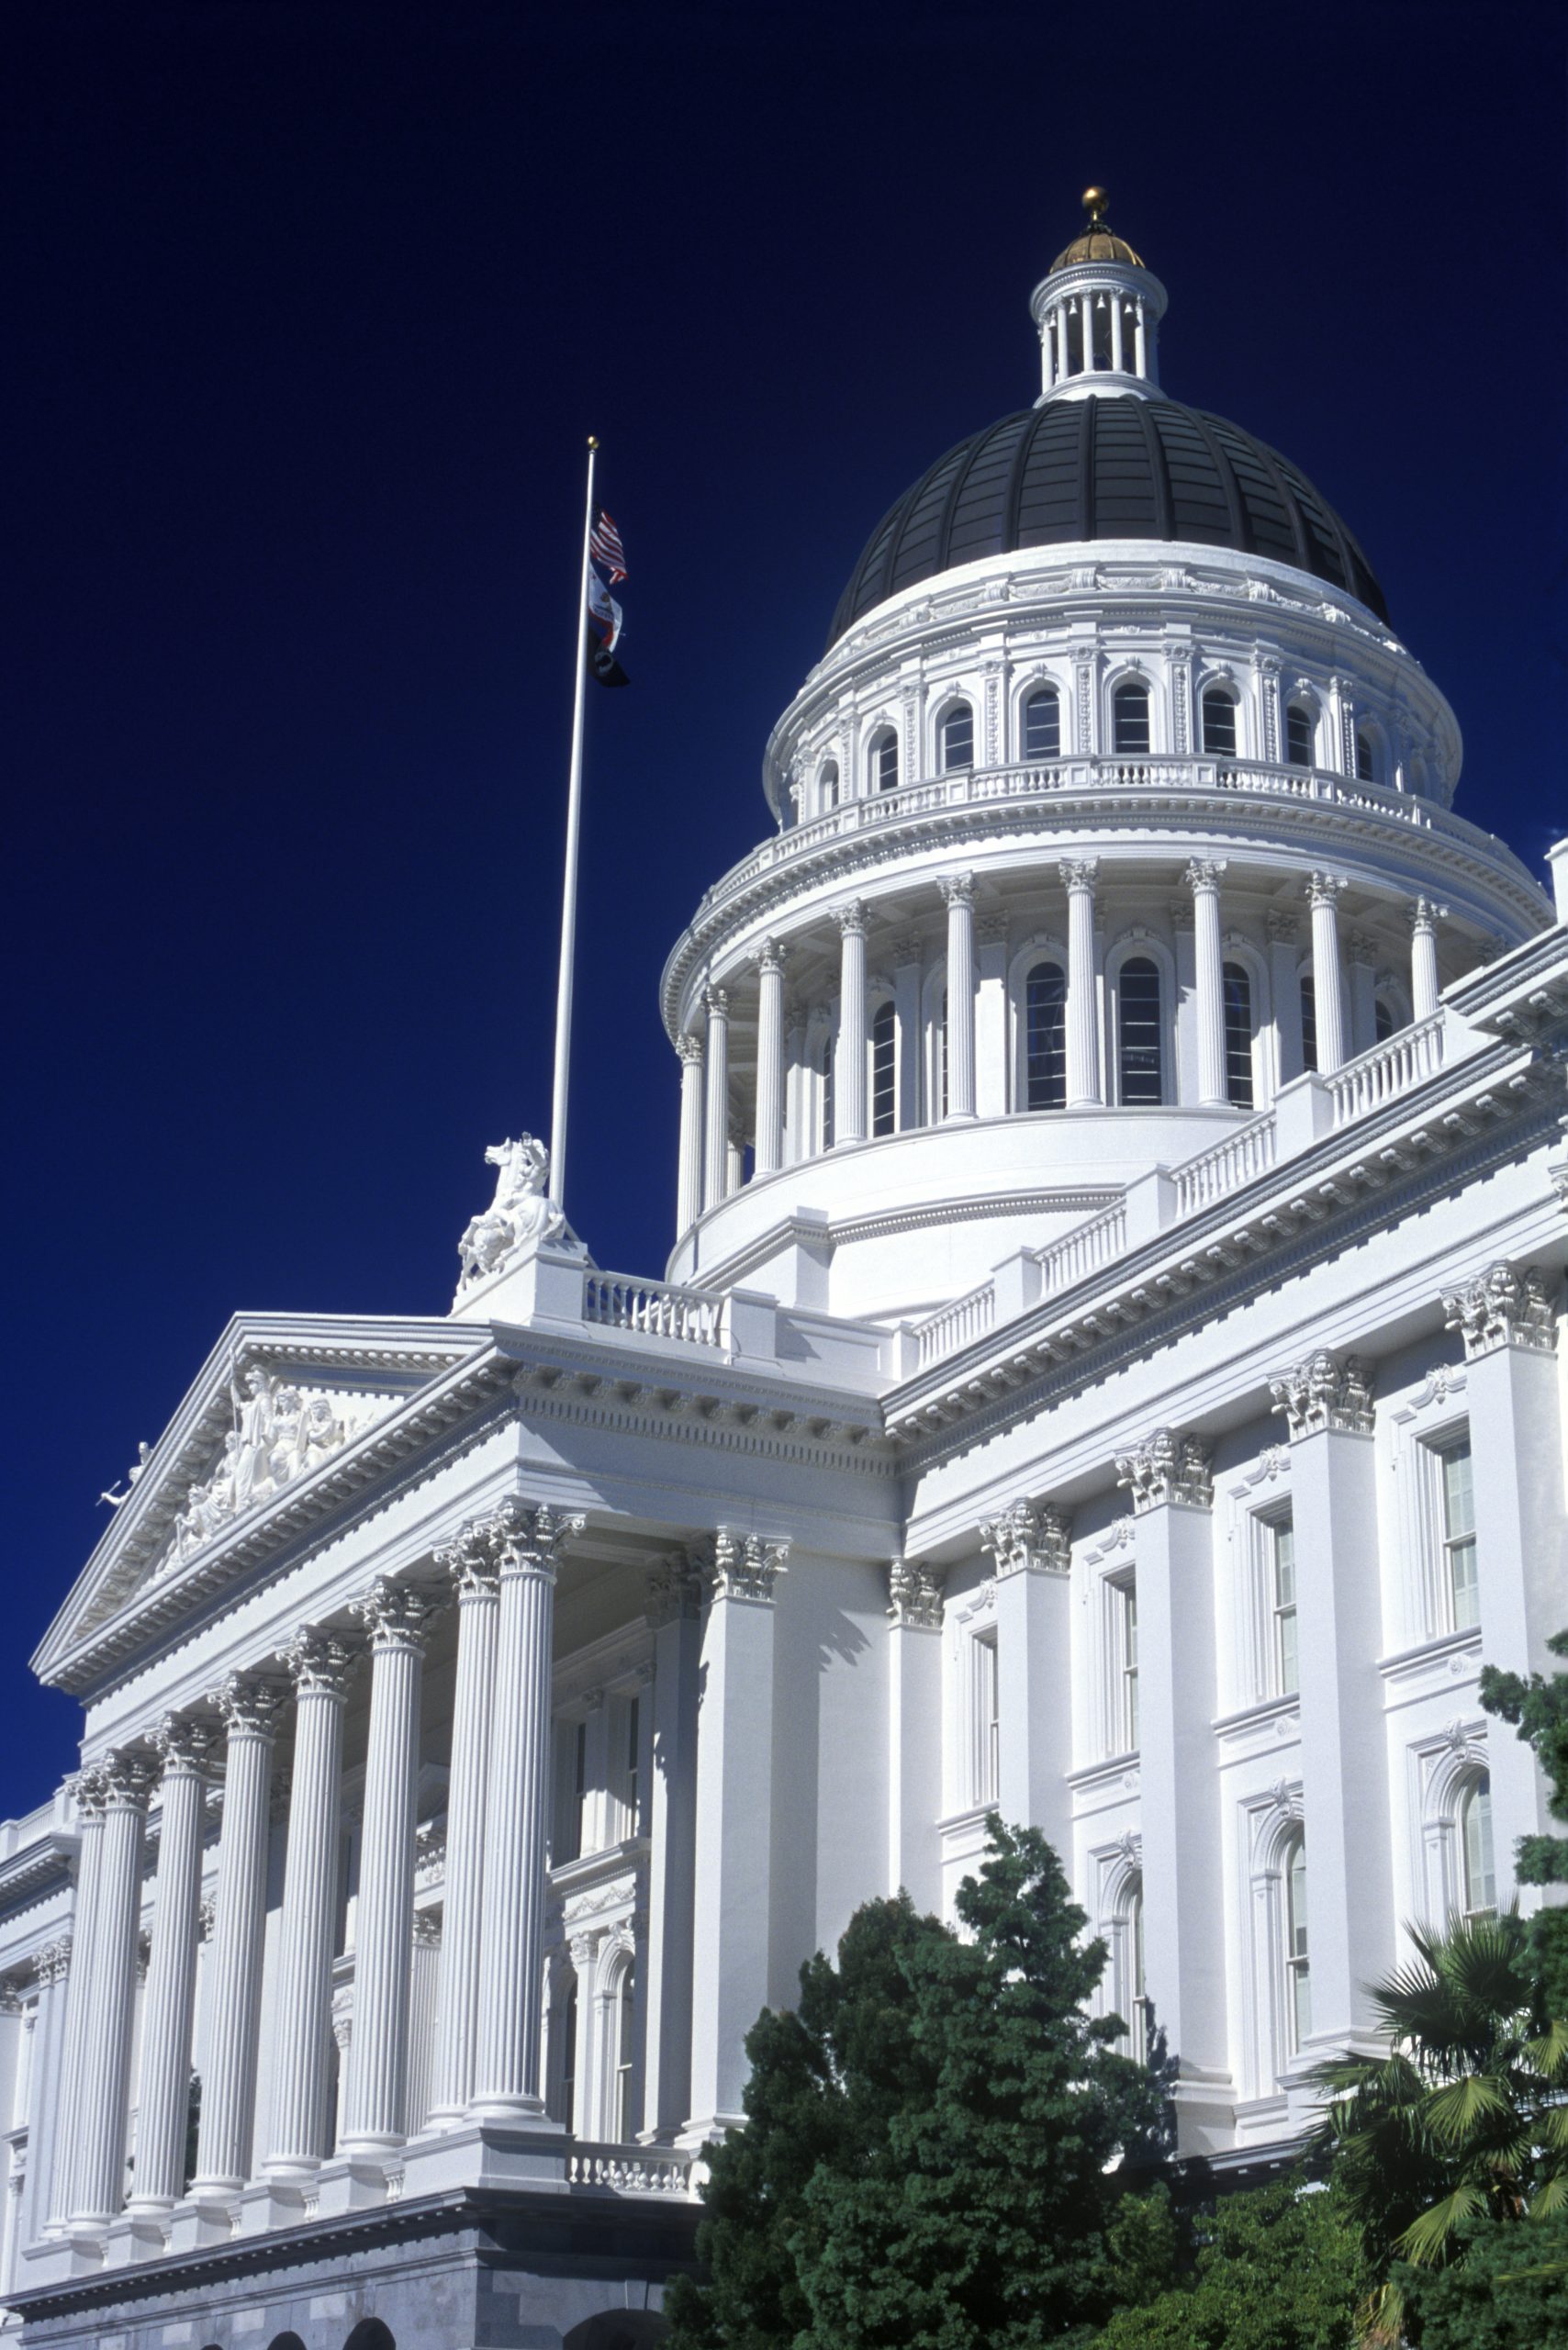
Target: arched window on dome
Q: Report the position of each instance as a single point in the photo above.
(882, 753)
(1385, 1020)
(1140, 1070)
(1238, 1035)
(1219, 723)
(1366, 757)
(1299, 733)
(1042, 724)
(1308, 1025)
(958, 738)
(1478, 1865)
(1130, 720)
(828, 787)
(1045, 1037)
(1298, 1962)
(884, 1068)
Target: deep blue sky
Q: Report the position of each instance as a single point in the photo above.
(306, 311)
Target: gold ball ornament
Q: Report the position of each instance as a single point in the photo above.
(1096, 200)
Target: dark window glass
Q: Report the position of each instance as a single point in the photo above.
(1308, 1025)
(1138, 1031)
(1366, 771)
(884, 1069)
(1045, 1037)
(1298, 736)
(1237, 1037)
(1384, 1021)
(1129, 719)
(828, 789)
(1042, 724)
(827, 1094)
(1219, 724)
(885, 762)
(958, 738)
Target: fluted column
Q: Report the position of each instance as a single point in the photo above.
(424, 1991)
(163, 2106)
(1326, 995)
(1425, 986)
(849, 1054)
(511, 1968)
(250, 1709)
(689, 1185)
(1083, 1087)
(958, 889)
(471, 1563)
(319, 1666)
(87, 1794)
(105, 2055)
(768, 1148)
(1202, 877)
(53, 1964)
(396, 1618)
(715, 1157)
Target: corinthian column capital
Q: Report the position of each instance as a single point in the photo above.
(1078, 872)
(1503, 1307)
(394, 1615)
(957, 888)
(248, 1704)
(317, 1663)
(1168, 1467)
(1324, 1393)
(743, 1566)
(1031, 1538)
(689, 1050)
(915, 1595)
(184, 1743)
(1204, 872)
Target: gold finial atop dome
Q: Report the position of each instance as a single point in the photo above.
(1097, 241)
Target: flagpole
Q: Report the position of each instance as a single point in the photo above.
(569, 887)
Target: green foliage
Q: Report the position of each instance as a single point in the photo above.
(1508, 2289)
(1539, 1709)
(925, 2164)
(1277, 2269)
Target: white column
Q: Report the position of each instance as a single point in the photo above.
(849, 1051)
(1173, 1491)
(688, 1188)
(958, 889)
(507, 2083)
(674, 1611)
(769, 1150)
(1344, 1753)
(1202, 877)
(1328, 1002)
(1064, 362)
(906, 1030)
(163, 2104)
(233, 1973)
(1047, 348)
(48, 2046)
(1425, 986)
(319, 1666)
(1031, 1548)
(734, 1812)
(1086, 321)
(424, 1994)
(471, 1563)
(716, 1148)
(1084, 1089)
(87, 1794)
(376, 2112)
(105, 2055)
(990, 1016)
(1116, 353)
(914, 1731)
(1140, 339)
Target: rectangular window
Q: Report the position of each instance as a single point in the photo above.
(985, 1703)
(1279, 1536)
(571, 1791)
(1460, 1580)
(630, 1789)
(1308, 1025)
(1121, 1665)
(884, 1070)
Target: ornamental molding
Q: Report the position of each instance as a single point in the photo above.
(1168, 1470)
(1325, 1392)
(248, 1704)
(915, 1595)
(690, 1049)
(851, 920)
(1324, 889)
(186, 1743)
(1282, 929)
(1030, 1538)
(1078, 872)
(673, 1591)
(741, 1566)
(395, 1615)
(1504, 1307)
(957, 889)
(317, 1663)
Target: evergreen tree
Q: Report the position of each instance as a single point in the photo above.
(1539, 1709)
(1508, 2291)
(926, 2160)
(1276, 2269)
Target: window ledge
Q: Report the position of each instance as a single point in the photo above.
(1263, 1709)
(1430, 1651)
(1110, 1766)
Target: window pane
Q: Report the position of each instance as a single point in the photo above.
(1282, 1535)
(1237, 1037)
(1042, 726)
(1384, 1021)
(1138, 1031)
(1458, 1534)
(1308, 1025)
(1219, 724)
(1129, 1664)
(1045, 1037)
(827, 1094)
(828, 786)
(1298, 736)
(883, 1064)
(1130, 718)
(885, 762)
(958, 738)
(1365, 768)
(1296, 1960)
(1480, 1870)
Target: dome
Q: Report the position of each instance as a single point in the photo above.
(1116, 467)
(1097, 245)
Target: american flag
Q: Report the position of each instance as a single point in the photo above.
(604, 545)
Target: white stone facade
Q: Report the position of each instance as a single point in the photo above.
(1098, 1376)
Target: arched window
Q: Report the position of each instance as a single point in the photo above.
(1298, 1963)
(290, 2341)
(824, 1071)
(1130, 720)
(1237, 1036)
(1298, 736)
(1384, 1022)
(884, 1070)
(1219, 723)
(1045, 1037)
(827, 787)
(1140, 1059)
(1479, 1871)
(625, 2052)
(958, 738)
(1366, 765)
(883, 754)
(1042, 724)
(1138, 2019)
(369, 2335)
(1308, 1025)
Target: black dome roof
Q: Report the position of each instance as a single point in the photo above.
(1110, 466)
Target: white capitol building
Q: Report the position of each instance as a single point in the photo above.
(1108, 1369)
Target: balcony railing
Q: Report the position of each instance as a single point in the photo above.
(1083, 1250)
(616, 1302)
(629, 2170)
(1388, 1070)
(1248, 1152)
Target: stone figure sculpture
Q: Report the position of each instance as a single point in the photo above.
(520, 1217)
(279, 1435)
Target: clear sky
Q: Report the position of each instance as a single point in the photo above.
(306, 310)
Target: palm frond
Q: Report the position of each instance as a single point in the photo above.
(1427, 2238)
(1451, 2113)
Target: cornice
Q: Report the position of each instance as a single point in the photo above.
(920, 1215)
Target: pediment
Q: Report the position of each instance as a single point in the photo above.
(281, 1408)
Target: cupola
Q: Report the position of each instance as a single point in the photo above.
(1098, 310)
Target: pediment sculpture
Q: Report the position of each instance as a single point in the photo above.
(280, 1433)
(520, 1217)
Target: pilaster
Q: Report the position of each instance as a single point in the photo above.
(1031, 1546)
(914, 1731)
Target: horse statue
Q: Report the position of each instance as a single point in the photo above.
(521, 1216)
